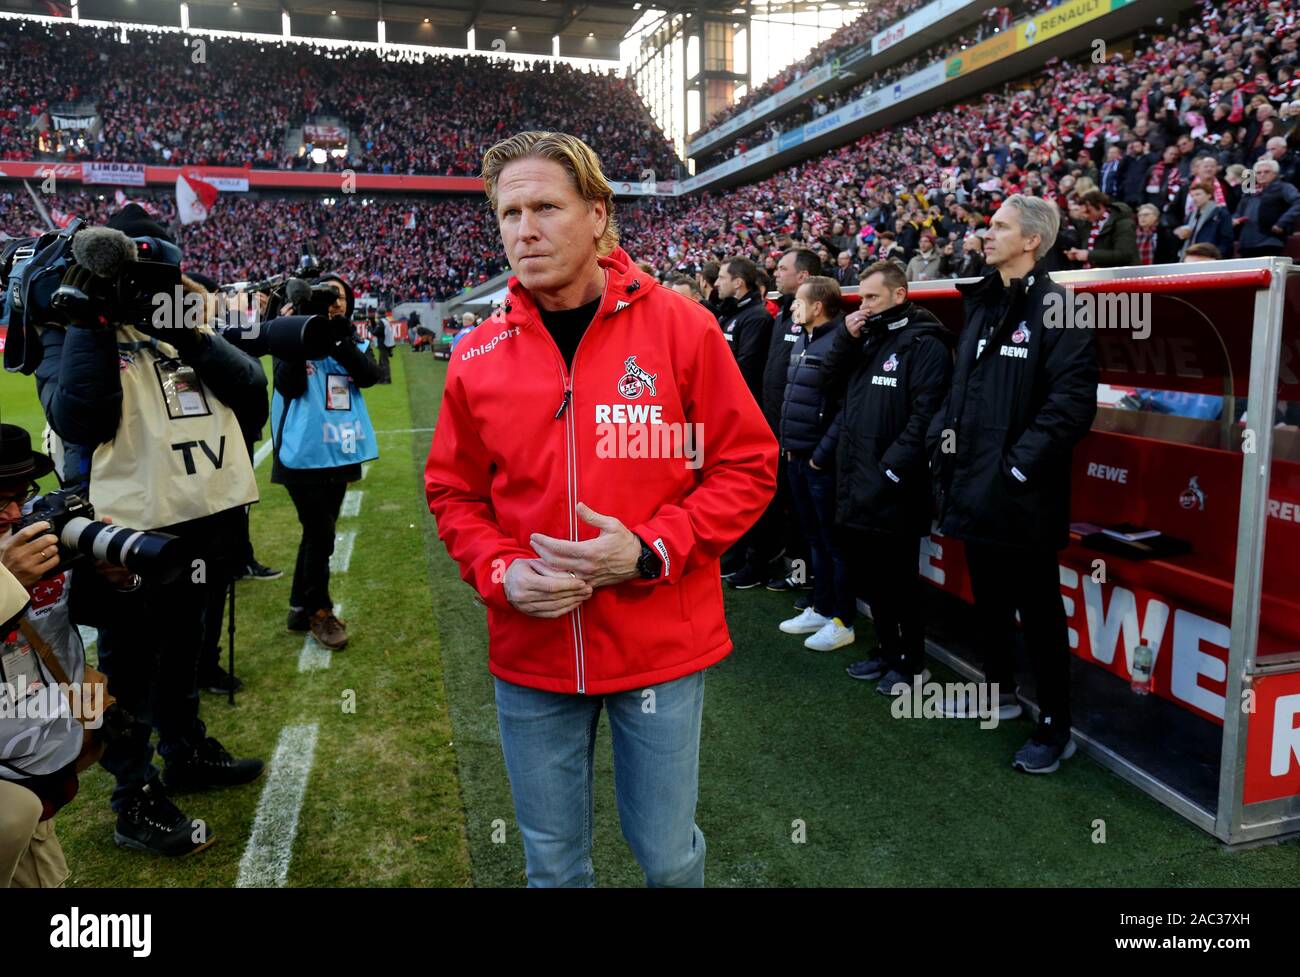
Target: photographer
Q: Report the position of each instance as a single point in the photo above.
(322, 434)
(35, 750)
(148, 413)
(44, 740)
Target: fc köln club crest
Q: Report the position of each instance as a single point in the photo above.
(636, 380)
(1021, 334)
(1192, 497)
(891, 364)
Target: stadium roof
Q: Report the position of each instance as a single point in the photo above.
(585, 29)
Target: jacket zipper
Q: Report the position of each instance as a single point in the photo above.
(571, 476)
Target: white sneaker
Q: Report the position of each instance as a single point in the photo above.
(808, 622)
(832, 635)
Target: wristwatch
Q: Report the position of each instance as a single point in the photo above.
(648, 564)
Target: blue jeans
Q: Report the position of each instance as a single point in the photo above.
(814, 505)
(549, 742)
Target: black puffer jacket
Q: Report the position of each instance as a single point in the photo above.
(809, 414)
(1014, 416)
(785, 333)
(747, 329)
(894, 378)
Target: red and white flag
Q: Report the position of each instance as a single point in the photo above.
(410, 221)
(194, 198)
(60, 219)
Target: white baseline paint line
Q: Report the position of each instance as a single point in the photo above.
(262, 451)
(407, 430)
(365, 469)
(315, 657)
(342, 556)
(351, 503)
(266, 857)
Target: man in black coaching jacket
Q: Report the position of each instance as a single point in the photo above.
(1023, 394)
(893, 361)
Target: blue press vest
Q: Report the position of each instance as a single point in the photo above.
(313, 435)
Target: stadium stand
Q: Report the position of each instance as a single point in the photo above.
(1229, 72)
(159, 107)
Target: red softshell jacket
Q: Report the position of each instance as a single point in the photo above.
(521, 440)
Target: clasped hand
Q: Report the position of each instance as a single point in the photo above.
(566, 573)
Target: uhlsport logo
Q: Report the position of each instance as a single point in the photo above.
(636, 380)
(1193, 497)
(891, 364)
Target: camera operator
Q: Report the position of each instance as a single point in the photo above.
(149, 418)
(44, 741)
(311, 397)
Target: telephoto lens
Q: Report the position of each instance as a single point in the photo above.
(295, 337)
(159, 556)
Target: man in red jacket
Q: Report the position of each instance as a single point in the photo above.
(588, 510)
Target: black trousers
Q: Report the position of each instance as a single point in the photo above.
(885, 570)
(776, 530)
(1005, 580)
(385, 365)
(318, 507)
(150, 652)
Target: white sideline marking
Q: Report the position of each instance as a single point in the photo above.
(342, 555)
(351, 503)
(407, 430)
(365, 469)
(314, 656)
(266, 857)
(262, 451)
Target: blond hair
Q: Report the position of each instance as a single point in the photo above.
(579, 161)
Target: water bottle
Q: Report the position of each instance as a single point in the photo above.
(1144, 657)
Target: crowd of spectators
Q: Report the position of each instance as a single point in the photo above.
(393, 249)
(866, 26)
(164, 99)
(994, 19)
(1203, 103)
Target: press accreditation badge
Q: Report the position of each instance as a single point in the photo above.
(181, 390)
(338, 392)
(18, 663)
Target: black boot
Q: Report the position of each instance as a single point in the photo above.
(209, 766)
(217, 679)
(150, 822)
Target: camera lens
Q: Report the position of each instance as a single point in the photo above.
(158, 555)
